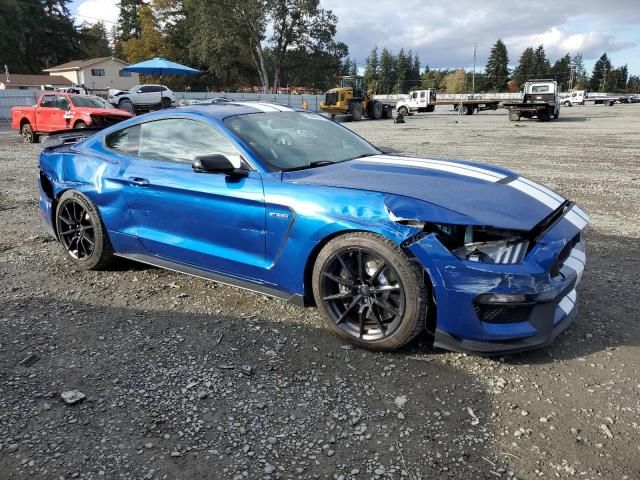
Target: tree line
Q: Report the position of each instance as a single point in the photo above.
(569, 71)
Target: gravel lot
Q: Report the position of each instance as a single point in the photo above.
(187, 380)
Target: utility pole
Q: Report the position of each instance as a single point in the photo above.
(6, 72)
(473, 79)
(604, 79)
(572, 75)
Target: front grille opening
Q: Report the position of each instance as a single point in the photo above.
(502, 313)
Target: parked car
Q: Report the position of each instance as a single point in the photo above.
(142, 98)
(59, 111)
(384, 245)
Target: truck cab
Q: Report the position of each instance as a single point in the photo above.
(417, 101)
(540, 99)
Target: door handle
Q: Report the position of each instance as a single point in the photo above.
(138, 182)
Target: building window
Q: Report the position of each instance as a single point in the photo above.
(97, 72)
(124, 73)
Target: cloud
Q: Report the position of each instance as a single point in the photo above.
(92, 11)
(443, 34)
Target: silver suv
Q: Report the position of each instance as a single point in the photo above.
(142, 98)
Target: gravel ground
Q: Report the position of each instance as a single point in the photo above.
(185, 379)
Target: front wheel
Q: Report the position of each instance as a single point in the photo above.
(81, 232)
(369, 292)
(126, 105)
(403, 111)
(355, 109)
(80, 124)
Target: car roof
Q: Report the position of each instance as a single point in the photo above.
(228, 109)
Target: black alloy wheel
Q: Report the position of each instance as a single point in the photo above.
(76, 230)
(81, 232)
(363, 294)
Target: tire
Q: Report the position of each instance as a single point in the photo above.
(556, 115)
(387, 113)
(567, 104)
(468, 109)
(126, 105)
(80, 124)
(403, 111)
(514, 116)
(28, 135)
(348, 271)
(166, 102)
(374, 110)
(544, 116)
(431, 108)
(355, 109)
(81, 232)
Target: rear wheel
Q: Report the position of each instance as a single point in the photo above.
(355, 109)
(387, 113)
(468, 109)
(28, 135)
(81, 232)
(166, 102)
(370, 293)
(514, 116)
(556, 115)
(544, 116)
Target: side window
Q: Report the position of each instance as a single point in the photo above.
(182, 140)
(62, 103)
(125, 141)
(48, 101)
(422, 94)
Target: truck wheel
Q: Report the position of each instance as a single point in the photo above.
(387, 113)
(468, 109)
(431, 108)
(514, 116)
(544, 116)
(567, 103)
(80, 124)
(28, 135)
(556, 115)
(126, 105)
(374, 110)
(403, 111)
(355, 109)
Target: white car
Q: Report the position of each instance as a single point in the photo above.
(142, 98)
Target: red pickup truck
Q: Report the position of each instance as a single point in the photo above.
(61, 111)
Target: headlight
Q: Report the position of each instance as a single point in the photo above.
(482, 244)
(501, 251)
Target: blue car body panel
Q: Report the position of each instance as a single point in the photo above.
(263, 230)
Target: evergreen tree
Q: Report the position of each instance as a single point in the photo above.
(580, 80)
(600, 71)
(542, 65)
(526, 68)
(497, 69)
(94, 41)
(371, 70)
(400, 69)
(386, 72)
(561, 71)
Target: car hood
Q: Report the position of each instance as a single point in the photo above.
(112, 112)
(438, 190)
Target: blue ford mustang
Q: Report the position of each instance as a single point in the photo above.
(293, 205)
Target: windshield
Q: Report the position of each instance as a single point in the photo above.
(293, 140)
(90, 102)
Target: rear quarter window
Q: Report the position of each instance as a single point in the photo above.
(126, 141)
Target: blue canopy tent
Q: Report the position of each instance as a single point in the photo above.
(158, 67)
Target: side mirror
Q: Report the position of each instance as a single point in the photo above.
(217, 163)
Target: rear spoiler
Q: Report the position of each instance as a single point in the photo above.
(67, 137)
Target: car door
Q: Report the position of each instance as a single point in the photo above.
(61, 115)
(44, 113)
(211, 221)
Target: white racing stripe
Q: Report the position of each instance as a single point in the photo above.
(441, 166)
(263, 107)
(533, 192)
(433, 161)
(581, 213)
(576, 219)
(542, 188)
(568, 302)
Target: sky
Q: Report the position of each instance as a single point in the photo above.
(443, 34)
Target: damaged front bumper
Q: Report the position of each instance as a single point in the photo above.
(494, 308)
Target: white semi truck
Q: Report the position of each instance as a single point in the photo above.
(418, 101)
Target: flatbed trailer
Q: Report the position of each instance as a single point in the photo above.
(471, 105)
(418, 101)
(540, 100)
